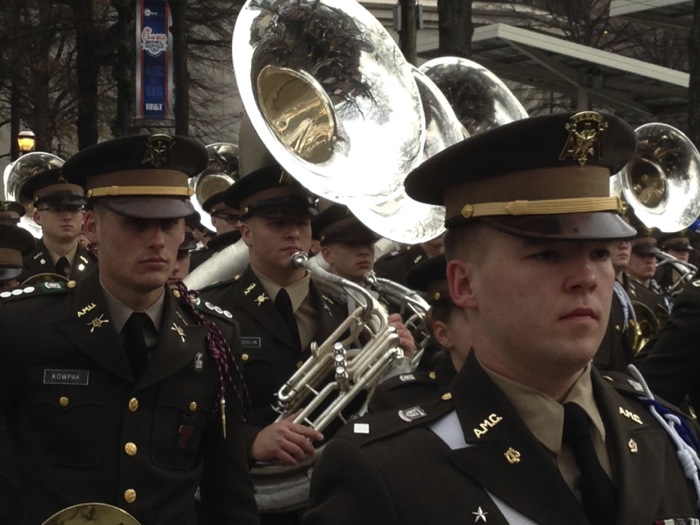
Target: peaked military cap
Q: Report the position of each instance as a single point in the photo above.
(11, 212)
(50, 187)
(216, 207)
(541, 177)
(430, 276)
(675, 241)
(270, 192)
(140, 176)
(645, 243)
(338, 224)
(14, 243)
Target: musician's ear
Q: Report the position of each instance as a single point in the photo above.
(460, 276)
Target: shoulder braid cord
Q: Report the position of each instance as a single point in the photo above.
(221, 354)
(687, 444)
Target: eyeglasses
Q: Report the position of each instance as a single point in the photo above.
(62, 209)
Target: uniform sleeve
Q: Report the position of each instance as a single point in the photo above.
(347, 489)
(672, 361)
(226, 486)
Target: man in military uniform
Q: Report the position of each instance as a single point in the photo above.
(11, 212)
(529, 431)
(396, 265)
(225, 220)
(280, 310)
(444, 353)
(347, 246)
(15, 242)
(671, 277)
(58, 210)
(116, 389)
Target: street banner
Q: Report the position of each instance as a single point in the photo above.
(154, 51)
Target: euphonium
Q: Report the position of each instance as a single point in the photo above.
(413, 307)
(350, 363)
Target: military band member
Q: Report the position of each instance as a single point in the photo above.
(279, 308)
(59, 211)
(396, 265)
(446, 350)
(15, 242)
(529, 431)
(347, 246)
(671, 278)
(181, 268)
(11, 212)
(225, 220)
(117, 389)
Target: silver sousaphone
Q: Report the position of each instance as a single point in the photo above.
(333, 100)
(18, 172)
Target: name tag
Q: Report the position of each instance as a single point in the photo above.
(250, 342)
(66, 377)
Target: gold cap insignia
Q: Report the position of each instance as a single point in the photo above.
(157, 150)
(4, 205)
(582, 143)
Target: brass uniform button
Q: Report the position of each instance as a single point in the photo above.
(129, 495)
(63, 401)
(71, 284)
(432, 375)
(130, 449)
(245, 357)
(617, 327)
(177, 294)
(193, 406)
(133, 404)
(446, 396)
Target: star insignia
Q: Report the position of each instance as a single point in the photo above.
(97, 322)
(480, 515)
(260, 299)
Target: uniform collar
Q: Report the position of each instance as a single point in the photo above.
(543, 415)
(297, 291)
(120, 312)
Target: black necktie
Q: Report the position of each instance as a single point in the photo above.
(597, 491)
(135, 342)
(284, 307)
(62, 266)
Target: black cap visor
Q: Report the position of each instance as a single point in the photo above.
(148, 207)
(285, 207)
(565, 226)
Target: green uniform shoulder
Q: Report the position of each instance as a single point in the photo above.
(379, 425)
(38, 290)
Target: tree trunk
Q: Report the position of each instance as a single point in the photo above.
(87, 71)
(181, 77)
(455, 27)
(694, 87)
(408, 32)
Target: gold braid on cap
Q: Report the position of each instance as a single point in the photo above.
(543, 207)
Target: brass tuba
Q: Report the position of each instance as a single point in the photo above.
(352, 361)
(93, 513)
(18, 172)
(221, 173)
(335, 103)
(481, 100)
(661, 183)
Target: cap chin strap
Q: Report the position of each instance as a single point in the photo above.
(542, 207)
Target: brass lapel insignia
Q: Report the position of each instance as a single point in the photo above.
(631, 415)
(260, 299)
(86, 309)
(179, 331)
(632, 444)
(582, 143)
(487, 424)
(198, 361)
(249, 289)
(480, 515)
(512, 456)
(97, 322)
(157, 150)
(411, 414)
